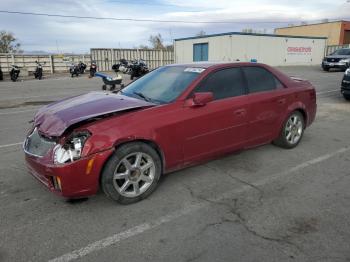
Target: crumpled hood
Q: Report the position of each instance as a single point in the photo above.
(55, 118)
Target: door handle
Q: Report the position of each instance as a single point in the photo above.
(281, 101)
(240, 112)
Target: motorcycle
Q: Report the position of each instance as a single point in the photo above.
(1, 75)
(38, 73)
(74, 70)
(123, 66)
(138, 68)
(81, 67)
(93, 69)
(14, 73)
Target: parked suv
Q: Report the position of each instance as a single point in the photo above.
(338, 59)
(345, 85)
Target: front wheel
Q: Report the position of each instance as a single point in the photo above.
(132, 173)
(347, 97)
(292, 131)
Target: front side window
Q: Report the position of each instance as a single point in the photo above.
(223, 84)
(259, 79)
(162, 85)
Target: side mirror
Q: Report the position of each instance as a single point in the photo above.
(201, 99)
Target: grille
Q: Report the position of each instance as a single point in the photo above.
(37, 145)
(336, 60)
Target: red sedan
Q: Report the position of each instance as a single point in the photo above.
(173, 117)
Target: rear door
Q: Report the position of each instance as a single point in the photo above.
(268, 100)
(221, 124)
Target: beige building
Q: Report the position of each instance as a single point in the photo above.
(337, 32)
(271, 49)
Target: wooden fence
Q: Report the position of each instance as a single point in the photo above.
(50, 63)
(105, 58)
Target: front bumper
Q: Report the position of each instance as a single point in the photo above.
(341, 65)
(77, 179)
(345, 85)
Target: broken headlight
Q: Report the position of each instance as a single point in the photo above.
(72, 148)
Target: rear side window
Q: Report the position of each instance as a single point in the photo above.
(259, 79)
(224, 83)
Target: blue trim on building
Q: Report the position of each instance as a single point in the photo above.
(251, 34)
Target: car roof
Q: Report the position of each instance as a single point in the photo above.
(213, 64)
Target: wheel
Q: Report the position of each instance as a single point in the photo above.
(292, 131)
(326, 69)
(104, 87)
(347, 97)
(132, 173)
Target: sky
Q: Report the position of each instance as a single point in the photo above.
(53, 34)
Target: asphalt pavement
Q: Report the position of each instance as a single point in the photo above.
(263, 204)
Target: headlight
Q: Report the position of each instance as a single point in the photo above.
(347, 60)
(72, 148)
(347, 72)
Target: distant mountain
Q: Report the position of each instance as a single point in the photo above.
(39, 52)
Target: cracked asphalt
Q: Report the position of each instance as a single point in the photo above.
(263, 204)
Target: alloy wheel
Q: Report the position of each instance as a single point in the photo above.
(134, 174)
(294, 129)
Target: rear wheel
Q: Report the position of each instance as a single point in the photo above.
(292, 131)
(132, 173)
(326, 69)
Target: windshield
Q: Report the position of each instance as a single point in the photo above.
(342, 52)
(162, 85)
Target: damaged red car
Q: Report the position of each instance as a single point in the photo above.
(171, 118)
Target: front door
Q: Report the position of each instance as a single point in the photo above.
(220, 125)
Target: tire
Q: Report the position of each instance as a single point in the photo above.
(326, 69)
(292, 131)
(347, 97)
(123, 187)
(104, 87)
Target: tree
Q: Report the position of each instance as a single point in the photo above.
(201, 33)
(156, 41)
(169, 47)
(143, 47)
(8, 43)
(254, 31)
(247, 30)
